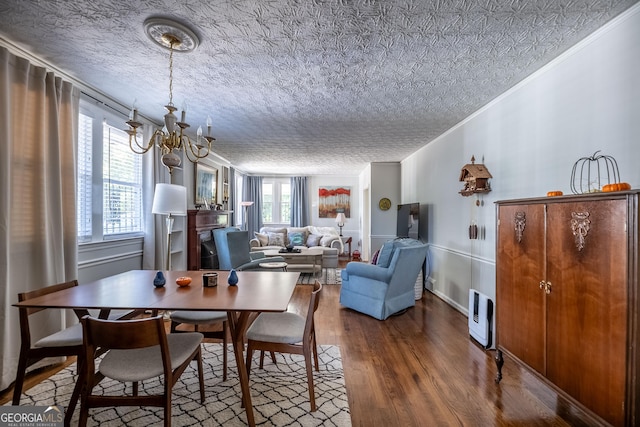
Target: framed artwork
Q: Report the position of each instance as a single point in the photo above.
(206, 184)
(333, 200)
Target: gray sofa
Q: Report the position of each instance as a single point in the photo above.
(324, 238)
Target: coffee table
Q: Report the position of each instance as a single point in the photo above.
(274, 265)
(311, 256)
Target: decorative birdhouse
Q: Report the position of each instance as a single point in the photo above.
(475, 177)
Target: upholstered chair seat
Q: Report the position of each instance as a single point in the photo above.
(143, 363)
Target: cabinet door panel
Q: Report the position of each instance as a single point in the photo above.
(520, 310)
(586, 309)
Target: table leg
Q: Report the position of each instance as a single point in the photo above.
(237, 326)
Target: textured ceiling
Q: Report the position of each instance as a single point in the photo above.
(309, 86)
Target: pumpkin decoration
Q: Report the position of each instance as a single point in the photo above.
(592, 174)
(616, 186)
(183, 281)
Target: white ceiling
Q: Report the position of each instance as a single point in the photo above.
(309, 87)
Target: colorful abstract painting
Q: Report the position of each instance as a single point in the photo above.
(334, 200)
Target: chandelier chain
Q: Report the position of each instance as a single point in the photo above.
(171, 74)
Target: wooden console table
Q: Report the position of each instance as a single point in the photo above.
(200, 224)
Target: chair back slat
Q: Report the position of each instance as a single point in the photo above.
(314, 301)
(25, 296)
(123, 335)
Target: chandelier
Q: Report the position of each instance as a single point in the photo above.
(175, 37)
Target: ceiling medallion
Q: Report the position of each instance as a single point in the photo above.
(171, 35)
(177, 38)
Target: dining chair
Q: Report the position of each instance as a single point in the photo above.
(287, 333)
(136, 350)
(204, 318)
(66, 342)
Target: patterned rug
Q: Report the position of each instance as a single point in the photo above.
(278, 392)
(332, 277)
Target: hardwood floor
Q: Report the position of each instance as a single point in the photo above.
(421, 368)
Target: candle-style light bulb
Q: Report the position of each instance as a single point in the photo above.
(199, 136)
(133, 114)
(183, 117)
(208, 125)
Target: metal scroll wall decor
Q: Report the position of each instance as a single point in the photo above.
(580, 225)
(521, 222)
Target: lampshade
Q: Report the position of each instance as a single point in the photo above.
(341, 218)
(170, 199)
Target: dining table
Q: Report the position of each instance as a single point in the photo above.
(255, 292)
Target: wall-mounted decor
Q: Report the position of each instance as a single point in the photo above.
(205, 185)
(334, 200)
(384, 204)
(475, 177)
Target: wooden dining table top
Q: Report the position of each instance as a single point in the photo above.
(256, 291)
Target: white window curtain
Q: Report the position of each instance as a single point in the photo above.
(38, 238)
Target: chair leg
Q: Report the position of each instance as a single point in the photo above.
(21, 373)
(200, 374)
(135, 388)
(314, 347)
(248, 361)
(167, 409)
(225, 356)
(307, 361)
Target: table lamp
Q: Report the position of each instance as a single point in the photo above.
(341, 219)
(170, 200)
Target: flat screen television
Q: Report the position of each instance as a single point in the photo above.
(408, 220)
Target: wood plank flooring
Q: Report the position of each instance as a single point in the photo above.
(421, 368)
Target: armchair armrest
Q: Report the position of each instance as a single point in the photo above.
(368, 271)
(337, 244)
(254, 243)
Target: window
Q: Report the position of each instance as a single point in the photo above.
(276, 201)
(109, 197)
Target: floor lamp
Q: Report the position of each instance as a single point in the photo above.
(245, 219)
(170, 200)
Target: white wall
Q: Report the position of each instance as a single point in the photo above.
(385, 183)
(530, 137)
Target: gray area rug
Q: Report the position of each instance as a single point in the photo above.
(279, 394)
(330, 276)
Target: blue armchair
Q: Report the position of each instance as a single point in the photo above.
(387, 287)
(233, 250)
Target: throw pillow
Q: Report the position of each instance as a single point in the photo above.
(296, 239)
(384, 257)
(374, 258)
(326, 240)
(313, 240)
(276, 239)
(262, 238)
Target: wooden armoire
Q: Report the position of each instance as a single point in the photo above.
(567, 297)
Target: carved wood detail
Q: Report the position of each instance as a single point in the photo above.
(580, 226)
(521, 222)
